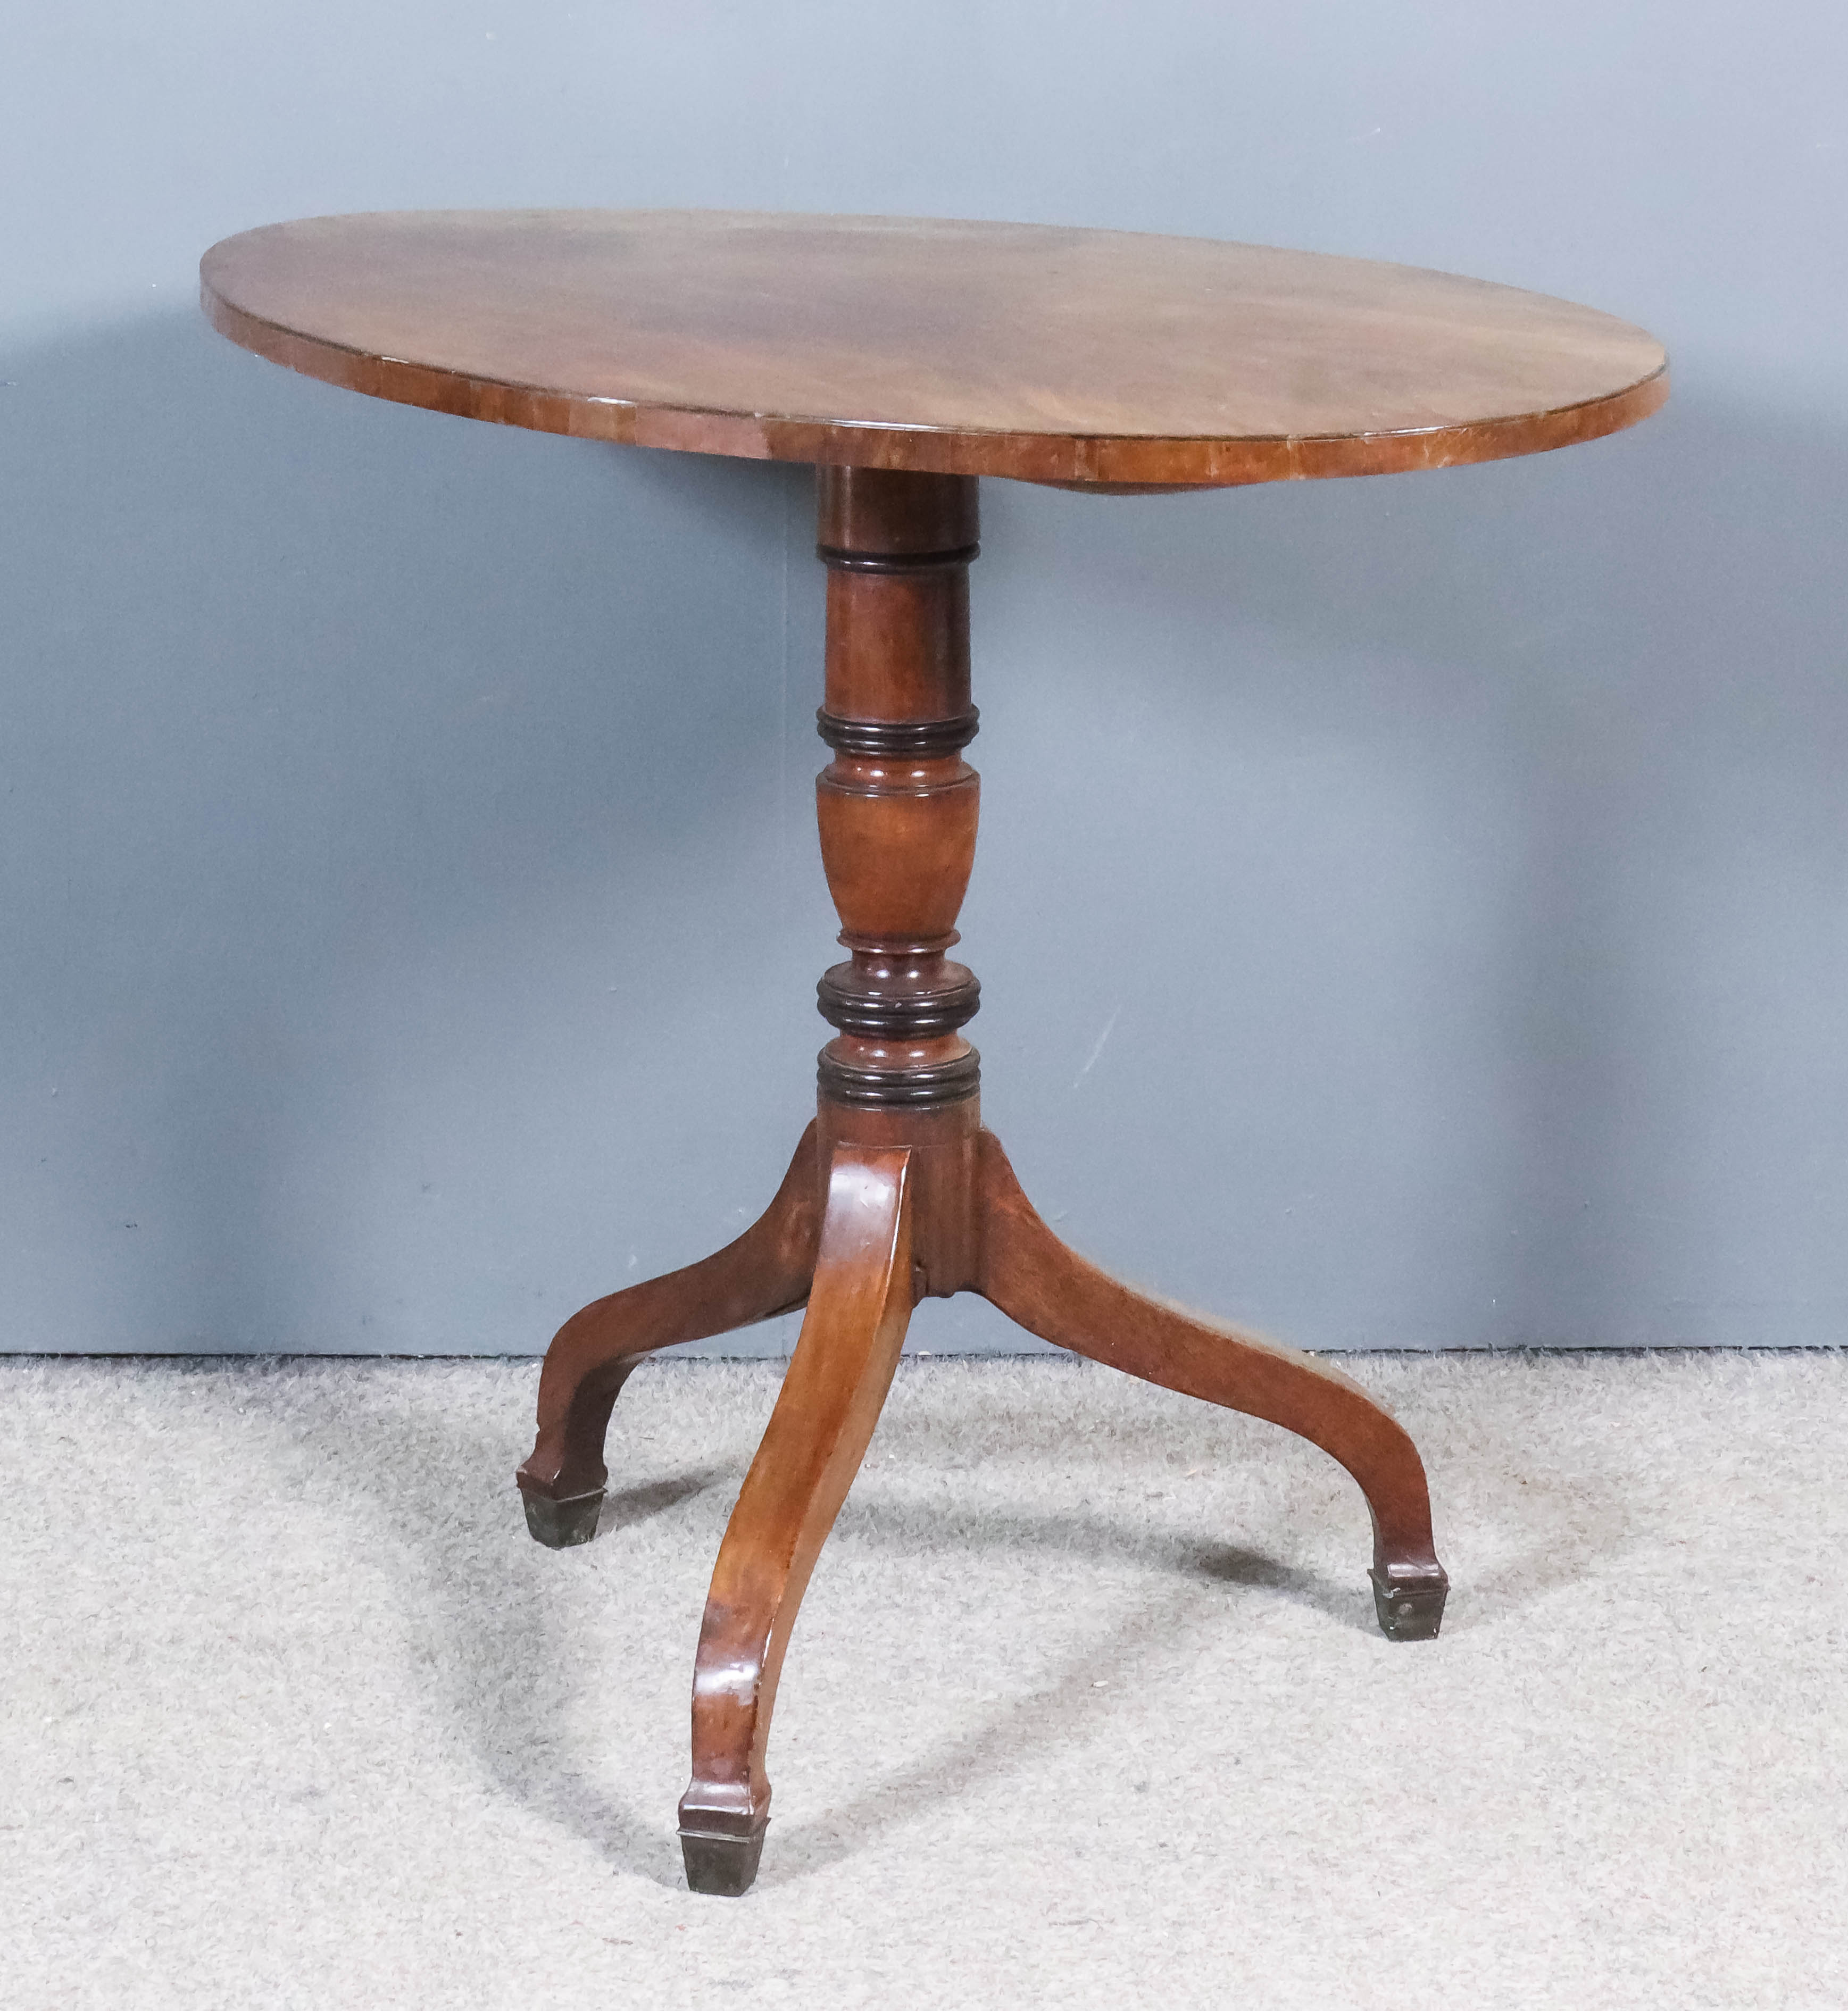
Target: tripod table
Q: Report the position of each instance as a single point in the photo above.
(906, 359)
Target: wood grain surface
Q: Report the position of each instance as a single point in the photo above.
(920, 1199)
(765, 1271)
(817, 1435)
(1095, 357)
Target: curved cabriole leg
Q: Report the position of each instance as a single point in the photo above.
(767, 1271)
(1053, 1293)
(831, 1399)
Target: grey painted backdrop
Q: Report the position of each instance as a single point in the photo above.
(1411, 910)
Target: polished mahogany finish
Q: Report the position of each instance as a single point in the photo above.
(1088, 357)
(1053, 1292)
(764, 1273)
(897, 805)
(831, 1399)
(906, 358)
(919, 1198)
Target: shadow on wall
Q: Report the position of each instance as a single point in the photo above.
(414, 913)
(1501, 1004)
(346, 745)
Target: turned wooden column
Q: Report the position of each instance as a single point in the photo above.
(897, 808)
(898, 1125)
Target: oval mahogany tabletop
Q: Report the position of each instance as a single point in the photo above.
(1094, 357)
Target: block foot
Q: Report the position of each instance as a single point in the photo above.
(723, 1866)
(1408, 1599)
(561, 1525)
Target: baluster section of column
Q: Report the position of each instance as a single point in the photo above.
(897, 805)
(897, 808)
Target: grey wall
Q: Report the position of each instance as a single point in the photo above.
(1410, 911)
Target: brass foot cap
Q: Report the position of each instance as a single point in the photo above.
(561, 1525)
(723, 1865)
(1409, 1600)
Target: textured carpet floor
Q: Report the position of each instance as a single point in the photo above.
(1086, 1707)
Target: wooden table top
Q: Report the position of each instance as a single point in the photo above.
(1096, 358)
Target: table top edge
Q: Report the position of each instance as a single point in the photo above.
(1117, 461)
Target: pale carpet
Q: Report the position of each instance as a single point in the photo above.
(1086, 1707)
